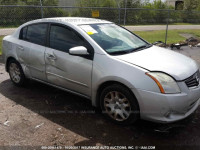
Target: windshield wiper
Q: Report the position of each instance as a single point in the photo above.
(140, 48)
(132, 50)
(119, 52)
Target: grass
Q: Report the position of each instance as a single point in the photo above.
(184, 23)
(10, 26)
(162, 24)
(1, 38)
(173, 35)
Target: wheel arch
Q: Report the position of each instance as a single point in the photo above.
(7, 62)
(108, 83)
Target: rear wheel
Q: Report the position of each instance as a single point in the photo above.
(119, 105)
(16, 73)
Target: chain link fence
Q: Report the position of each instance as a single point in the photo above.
(12, 16)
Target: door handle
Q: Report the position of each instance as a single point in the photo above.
(50, 56)
(21, 48)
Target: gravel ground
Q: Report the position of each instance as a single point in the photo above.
(38, 115)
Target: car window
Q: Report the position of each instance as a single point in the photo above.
(23, 33)
(114, 39)
(37, 33)
(62, 38)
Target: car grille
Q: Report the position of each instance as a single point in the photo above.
(193, 81)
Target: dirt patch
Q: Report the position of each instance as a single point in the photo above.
(187, 35)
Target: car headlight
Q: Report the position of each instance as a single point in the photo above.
(166, 84)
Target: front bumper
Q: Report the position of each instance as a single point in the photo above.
(167, 108)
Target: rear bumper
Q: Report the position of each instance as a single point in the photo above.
(167, 108)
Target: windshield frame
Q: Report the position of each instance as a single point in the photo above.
(148, 45)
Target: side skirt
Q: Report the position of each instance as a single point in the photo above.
(61, 88)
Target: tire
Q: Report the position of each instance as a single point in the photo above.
(16, 73)
(119, 105)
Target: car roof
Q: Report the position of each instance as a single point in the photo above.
(71, 20)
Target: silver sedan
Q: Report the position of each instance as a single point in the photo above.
(127, 77)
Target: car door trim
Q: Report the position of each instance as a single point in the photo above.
(35, 68)
(76, 82)
(64, 89)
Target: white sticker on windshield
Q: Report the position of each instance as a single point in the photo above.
(88, 29)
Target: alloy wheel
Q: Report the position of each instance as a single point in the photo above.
(15, 72)
(117, 106)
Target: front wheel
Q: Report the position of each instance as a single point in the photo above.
(16, 73)
(118, 104)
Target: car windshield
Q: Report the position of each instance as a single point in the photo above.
(114, 39)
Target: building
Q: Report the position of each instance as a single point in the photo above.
(175, 3)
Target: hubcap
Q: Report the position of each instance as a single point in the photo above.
(15, 72)
(117, 106)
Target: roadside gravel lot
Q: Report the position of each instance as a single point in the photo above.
(39, 115)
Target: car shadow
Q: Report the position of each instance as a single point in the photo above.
(77, 115)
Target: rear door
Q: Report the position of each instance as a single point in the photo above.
(36, 40)
(23, 50)
(65, 70)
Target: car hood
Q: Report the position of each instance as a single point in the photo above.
(159, 59)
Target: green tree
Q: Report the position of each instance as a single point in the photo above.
(18, 15)
(97, 3)
(8, 2)
(190, 16)
(131, 3)
(147, 16)
(192, 4)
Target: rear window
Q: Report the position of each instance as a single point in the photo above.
(37, 33)
(23, 33)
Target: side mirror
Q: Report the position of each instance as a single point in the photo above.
(79, 50)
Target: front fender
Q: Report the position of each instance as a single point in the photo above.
(106, 68)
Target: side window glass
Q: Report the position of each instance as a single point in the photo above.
(37, 33)
(63, 39)
(23, 33)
